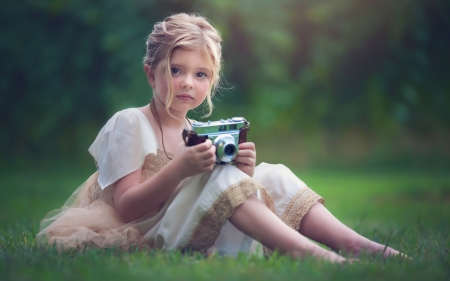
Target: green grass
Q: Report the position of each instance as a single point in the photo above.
(410, 207)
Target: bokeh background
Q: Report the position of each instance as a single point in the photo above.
(342, 82)
(352, 95)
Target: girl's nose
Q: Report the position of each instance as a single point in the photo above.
(187, 82)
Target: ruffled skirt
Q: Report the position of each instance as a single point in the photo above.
(195, 218)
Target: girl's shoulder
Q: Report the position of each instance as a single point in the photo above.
(122, 145)
(129, 115)
(131, 121)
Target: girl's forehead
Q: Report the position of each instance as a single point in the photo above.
(191, 57)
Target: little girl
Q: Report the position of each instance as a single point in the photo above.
(151, 190)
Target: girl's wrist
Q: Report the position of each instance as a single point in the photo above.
(176, 171)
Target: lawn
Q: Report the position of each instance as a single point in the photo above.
(409, 209)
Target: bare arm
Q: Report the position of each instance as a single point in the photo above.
(134, 199)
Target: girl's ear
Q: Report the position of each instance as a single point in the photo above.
(150, 75)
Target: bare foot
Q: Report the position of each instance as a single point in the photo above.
(389, 252)
(376, 249)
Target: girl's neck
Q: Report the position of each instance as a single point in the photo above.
(158, 109)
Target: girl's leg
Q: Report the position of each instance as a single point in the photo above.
(320, 225)
(256, 220)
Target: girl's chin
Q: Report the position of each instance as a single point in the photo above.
(182, 107)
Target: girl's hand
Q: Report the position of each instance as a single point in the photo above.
(193, 160)
(246, 158)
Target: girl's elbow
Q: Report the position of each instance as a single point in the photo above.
(127, 218)
(125, 213)
(122, 204)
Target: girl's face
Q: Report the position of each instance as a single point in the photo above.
(191, 76)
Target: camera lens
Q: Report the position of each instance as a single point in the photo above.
(226, 149)
(229, 150)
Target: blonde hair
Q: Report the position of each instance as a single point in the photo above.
(190, 32)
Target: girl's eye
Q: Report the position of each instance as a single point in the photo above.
(201, 75)
(175, 70)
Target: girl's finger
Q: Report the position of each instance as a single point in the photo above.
(247, 145)
(203, 146)
(247, 153)
(245, 160)
(209, 153)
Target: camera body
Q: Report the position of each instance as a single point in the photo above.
(225, 134)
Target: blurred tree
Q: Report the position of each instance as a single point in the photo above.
(67, 66)
(306, 65)
(341, 63)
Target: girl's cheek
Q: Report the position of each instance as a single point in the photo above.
(204, 84)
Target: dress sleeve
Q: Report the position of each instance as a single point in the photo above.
(122, 145)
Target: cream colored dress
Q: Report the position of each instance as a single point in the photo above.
(195, 218)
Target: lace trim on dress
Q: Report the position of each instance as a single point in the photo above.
(299, 206)
(155, 162)
(208, 229)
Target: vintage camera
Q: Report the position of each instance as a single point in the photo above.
(226, 135)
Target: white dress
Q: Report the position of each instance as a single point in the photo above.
(194, 218)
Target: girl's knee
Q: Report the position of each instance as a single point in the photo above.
(274, 170)
(283, 175)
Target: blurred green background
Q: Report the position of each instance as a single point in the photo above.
(343, 82)
(352, 95)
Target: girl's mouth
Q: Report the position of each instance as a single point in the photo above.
(185, 97)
